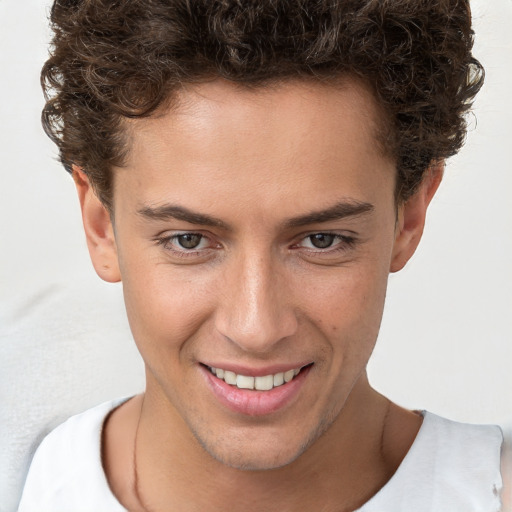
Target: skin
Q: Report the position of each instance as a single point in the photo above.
(256, 292)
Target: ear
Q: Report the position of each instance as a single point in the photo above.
(99, 231)
(411, 217)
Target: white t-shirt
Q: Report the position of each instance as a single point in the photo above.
(451, 467)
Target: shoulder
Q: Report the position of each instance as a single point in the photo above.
(451, 466)
(462, 445)
(66, 472)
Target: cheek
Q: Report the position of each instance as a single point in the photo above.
(347, 307)
(165, 306)
(346, 296)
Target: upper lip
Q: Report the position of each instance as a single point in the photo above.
(256, 371)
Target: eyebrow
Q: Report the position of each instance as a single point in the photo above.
(339, 211)
(167, 212)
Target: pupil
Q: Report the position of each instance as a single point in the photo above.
(189, 241)
(322, 240)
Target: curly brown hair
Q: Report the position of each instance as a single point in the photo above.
(117, 59)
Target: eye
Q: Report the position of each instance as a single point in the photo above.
(321, 240)
(327, 246)
(185, 244)
(189, 240)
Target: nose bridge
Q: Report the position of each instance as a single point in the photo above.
(256, 312)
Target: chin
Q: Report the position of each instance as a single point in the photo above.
(247, 452)
(263, 460)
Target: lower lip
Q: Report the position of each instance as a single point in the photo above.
(252, 402)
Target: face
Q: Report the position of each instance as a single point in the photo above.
(254, 233)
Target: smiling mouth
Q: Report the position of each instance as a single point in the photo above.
(263, 383)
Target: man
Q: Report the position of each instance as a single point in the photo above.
(252, 173)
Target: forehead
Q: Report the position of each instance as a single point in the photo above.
(290, 136)
(308, 100)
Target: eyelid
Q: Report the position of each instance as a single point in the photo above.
(343, 234)
(166, 238)
(346, 241)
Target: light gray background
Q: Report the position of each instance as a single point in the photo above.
(446, 339)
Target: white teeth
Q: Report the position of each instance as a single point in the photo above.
(278, 379)
(244, 382)
(230, 377)
(263, 383)
(288, 376)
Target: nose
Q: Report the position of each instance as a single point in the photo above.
(255, 309)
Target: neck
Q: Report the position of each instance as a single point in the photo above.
(348, 464)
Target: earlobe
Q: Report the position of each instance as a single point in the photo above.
(411, 217)
(99, 231)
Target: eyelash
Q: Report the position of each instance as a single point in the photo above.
(345, 242)
(166, 241)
